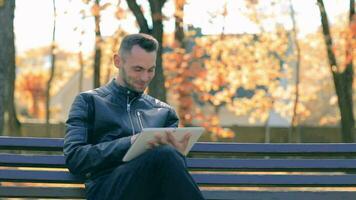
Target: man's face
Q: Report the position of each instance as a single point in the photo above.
(136, 69)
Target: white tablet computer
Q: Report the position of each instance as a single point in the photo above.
(141, 143)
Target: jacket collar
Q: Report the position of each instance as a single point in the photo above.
(121, 90)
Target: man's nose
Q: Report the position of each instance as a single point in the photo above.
(145, 76)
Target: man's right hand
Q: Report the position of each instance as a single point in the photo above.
(169, 139)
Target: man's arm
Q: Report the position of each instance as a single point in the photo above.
(82, 157)
(172, 119)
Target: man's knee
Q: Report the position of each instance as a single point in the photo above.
(167, 153)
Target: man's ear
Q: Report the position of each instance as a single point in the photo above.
(117, 60)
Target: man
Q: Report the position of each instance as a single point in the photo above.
(104, 122)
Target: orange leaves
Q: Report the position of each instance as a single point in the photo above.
(120, 13)
(212, 125)
(33, 82)
(32, 86)
(216, 69)
(96, 8)
(179, 3)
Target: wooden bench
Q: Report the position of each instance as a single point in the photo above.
(35, 168)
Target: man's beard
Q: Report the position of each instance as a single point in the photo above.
(126, 80)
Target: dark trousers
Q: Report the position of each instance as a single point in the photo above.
(158, 174)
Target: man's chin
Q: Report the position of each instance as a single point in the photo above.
(139, 89)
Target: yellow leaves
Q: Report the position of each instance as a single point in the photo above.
(179, 3)
(328, 120)
(120, 13)
(333, 100)
(334, 69)
(95, 10)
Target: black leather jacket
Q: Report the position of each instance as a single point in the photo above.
(101, 123)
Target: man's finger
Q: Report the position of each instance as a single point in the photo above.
(171, 139)
(184, 142)
(186, 138)
(161, 139)
(158, 138)
(152, 144)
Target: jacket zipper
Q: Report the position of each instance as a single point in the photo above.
(139, 119)
(129, 113)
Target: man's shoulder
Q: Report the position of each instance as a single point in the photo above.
(156, 102)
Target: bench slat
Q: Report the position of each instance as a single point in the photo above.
(39, 176)
(31, 143)
(58, 161)
(274, 164)
(276, 180)
(280, 195)
(23, 160)
(78, 193)
(203, 179)
(56, 144)
(270, 149)
(43, 192)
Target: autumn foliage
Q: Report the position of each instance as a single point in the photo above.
(247, 74)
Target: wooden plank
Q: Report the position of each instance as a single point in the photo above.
(270, 149)
(203, 179)
(56, 144)
(273, 164)
(276, 180)
(31, 143)
(78, 193)
(39, 176)
(42, 192)
(280, 195)
(58, 161)
(17, 160)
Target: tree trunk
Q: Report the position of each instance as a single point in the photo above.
(7, 66)
(156, 88)
(6, 52)
(140, 18)
(342, 79)
(294, 121)
(179, 14)
(98, 40)
(80, 58)
(14, 124)
(81, 71)
(53, 67)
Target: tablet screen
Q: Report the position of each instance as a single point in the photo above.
(141, 143)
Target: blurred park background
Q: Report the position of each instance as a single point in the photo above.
(247, 70)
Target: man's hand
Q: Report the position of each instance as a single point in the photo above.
(169, 139)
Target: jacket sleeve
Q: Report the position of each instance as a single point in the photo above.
(81, 157)
(172, 119)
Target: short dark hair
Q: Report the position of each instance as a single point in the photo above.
(145, 41)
